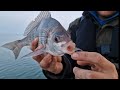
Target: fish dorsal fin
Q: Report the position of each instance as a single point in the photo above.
(42, 15)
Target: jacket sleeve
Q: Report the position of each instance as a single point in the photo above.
(67, 62)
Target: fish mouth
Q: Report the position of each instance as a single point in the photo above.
(69, 47)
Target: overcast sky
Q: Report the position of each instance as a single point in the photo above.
(17, 21)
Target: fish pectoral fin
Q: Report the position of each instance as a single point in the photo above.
(35, 53)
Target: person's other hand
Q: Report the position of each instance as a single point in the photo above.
(47, 62)
(101, 68)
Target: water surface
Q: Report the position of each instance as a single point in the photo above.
(10, 68)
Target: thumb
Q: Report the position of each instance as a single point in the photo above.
(39, 47)
(34, 44)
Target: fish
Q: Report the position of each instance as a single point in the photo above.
(52, 36)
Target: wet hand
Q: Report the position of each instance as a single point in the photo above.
(47, 62)
(101, 68)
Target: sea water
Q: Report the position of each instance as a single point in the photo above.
(25, 68)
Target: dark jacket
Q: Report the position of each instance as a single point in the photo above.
(92, 34)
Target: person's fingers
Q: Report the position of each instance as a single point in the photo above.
(83, 63)
(53, 64)
(59, 67)
(55, 67)
(46, 61)
(39, 47)
(93, 66)
(92, 57)
(34, 44)
(59, 59)
(88, 74)
(38, 58)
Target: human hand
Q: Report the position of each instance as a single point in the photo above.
(47, 62)
(101, 68)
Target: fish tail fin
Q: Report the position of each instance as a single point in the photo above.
(15, 46)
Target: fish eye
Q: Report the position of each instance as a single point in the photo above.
(57, 39)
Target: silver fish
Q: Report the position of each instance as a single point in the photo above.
(52, 35)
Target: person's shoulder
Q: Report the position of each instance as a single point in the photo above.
(78, 20)
(75, 22)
